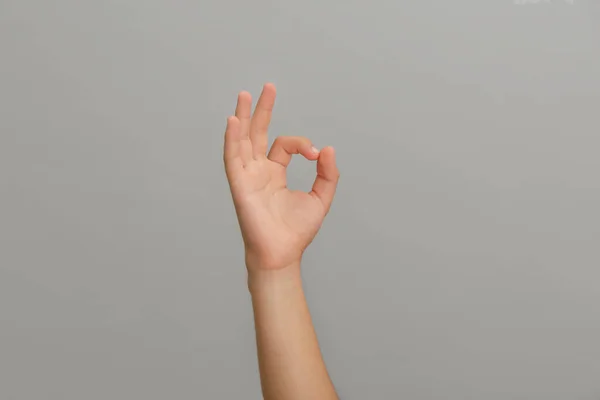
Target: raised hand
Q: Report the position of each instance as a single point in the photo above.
(277, 223)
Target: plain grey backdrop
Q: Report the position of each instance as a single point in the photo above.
(460, 260)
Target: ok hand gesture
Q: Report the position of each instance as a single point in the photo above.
(277, 223)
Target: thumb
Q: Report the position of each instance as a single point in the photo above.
(327, 177)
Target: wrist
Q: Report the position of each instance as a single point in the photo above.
(269, 279)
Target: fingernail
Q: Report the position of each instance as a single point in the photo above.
(315, 150)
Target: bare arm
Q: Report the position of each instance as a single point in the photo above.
(277, 225)
(291, 366)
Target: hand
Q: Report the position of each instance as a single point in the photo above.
(277, 223)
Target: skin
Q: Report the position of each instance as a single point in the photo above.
(277, 225)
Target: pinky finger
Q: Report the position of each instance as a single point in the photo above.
(231, 148)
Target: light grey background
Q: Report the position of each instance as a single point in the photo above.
(460, 259)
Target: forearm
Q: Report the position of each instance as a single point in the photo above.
(290, 361)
